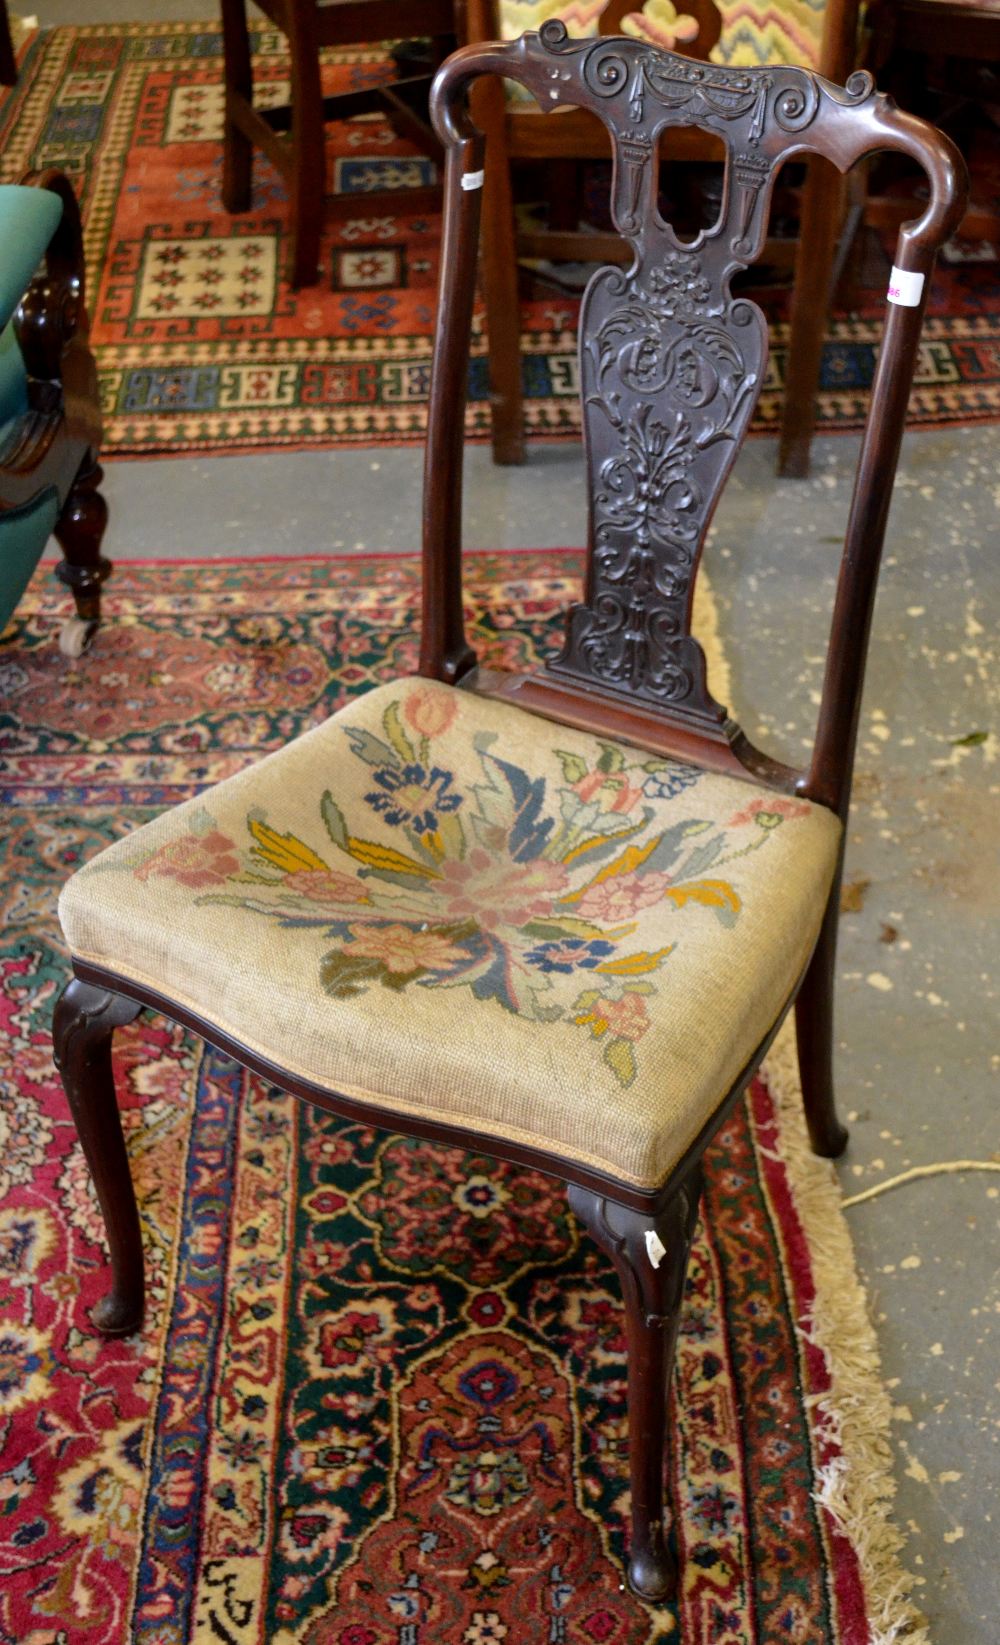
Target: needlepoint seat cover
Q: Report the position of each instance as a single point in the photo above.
(459, 910)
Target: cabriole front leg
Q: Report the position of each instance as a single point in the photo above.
(651, 1256)
(83, 1026)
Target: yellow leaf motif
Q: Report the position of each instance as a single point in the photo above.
(284, 851)
(602, 839)
(711, 893)
(635, 965)
(631, 858)
(383, 856)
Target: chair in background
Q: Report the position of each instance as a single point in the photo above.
(50, 421)
(954, 47)
(516, 131)
(8, 57)
(309, 26)
(943, 54)
(555, 917)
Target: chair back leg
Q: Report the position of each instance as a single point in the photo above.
(814, 1034)
(308, 162)
(237, 149)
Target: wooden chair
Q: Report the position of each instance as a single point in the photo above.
(554, 917)
(944, 48)
(942, 36)
(516, 133)
(8, 56)
(309, 26)
(50, 420)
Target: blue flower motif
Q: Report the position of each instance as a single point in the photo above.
(570, 954)
(671, 781)
(412, 795)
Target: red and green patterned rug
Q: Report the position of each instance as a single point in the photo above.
(379, 1398)
(202, 346)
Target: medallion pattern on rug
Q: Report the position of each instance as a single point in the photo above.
(379, 1398)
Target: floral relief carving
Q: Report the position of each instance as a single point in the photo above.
(671, 362)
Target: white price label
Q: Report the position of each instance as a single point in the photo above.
(905, 288)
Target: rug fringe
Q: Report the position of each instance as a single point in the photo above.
(857, 1487)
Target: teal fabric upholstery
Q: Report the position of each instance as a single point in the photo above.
(28, 219)
(24, 533)
(13, 378)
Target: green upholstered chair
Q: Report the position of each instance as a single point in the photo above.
(50, 425)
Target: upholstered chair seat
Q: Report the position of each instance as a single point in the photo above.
(451, 907)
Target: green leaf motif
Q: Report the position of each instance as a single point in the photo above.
(620, 1058)
(612, 760)
(343, 977)
(396, 735)
(574, 766)
(370, 749)
(333, 819)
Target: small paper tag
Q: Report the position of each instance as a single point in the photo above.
(655, 1248)
(473, 179)
(905, 288)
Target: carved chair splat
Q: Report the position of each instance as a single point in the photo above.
(671, 365)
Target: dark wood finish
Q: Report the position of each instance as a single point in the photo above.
(517, 134)
(672, 365)
(946, 33)
(8, 57)
(85, 1019)
(651, 1256)
(57, 442)
(310, 25)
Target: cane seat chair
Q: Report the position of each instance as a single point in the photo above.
(558, 917)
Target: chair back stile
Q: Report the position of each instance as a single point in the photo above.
(671, 366)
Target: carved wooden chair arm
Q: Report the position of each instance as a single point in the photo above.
(53, 308)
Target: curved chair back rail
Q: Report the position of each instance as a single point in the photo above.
(671, 366)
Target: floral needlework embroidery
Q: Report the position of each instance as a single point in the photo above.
(527, 891)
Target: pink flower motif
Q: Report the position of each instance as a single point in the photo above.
(196, 860)
(624, 1019)
(497, 891)
(613, 790)
(430, 712)
(622, 896)
(401, 948)
(769, 812)
(324, 886)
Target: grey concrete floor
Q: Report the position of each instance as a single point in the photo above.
(918, 1054)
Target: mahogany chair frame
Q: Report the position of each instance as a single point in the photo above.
(309, 26)
(669, 383)
(57, 443)
(8, 56)
(519, 134)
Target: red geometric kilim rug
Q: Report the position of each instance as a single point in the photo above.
(202, 346)
(379, 1398)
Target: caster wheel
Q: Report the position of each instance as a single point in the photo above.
(75, 635)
